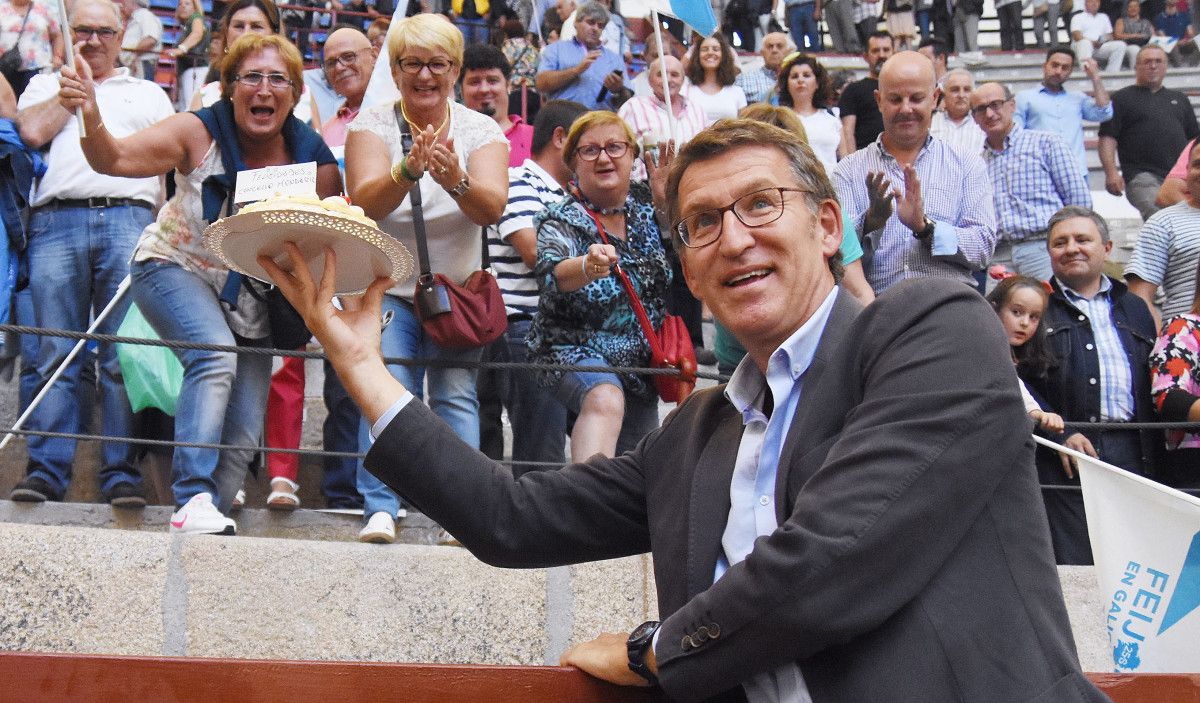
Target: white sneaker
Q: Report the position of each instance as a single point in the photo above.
(239, 499)
(380, 529)
(200, 516)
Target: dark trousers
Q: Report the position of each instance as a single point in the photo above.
(1012, 35)
(681, 302)
(340, 434)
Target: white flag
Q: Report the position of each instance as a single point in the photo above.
(381, 89)
(1146, 543)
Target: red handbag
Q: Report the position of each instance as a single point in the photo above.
(670, 348)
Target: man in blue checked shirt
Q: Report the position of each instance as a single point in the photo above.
(1033, 176)
(921, 208)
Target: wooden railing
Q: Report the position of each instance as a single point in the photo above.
(61, 678)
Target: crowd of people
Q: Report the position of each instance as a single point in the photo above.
(551, 164)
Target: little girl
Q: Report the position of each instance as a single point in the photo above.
(1020, 302)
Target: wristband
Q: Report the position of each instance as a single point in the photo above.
(405, 172)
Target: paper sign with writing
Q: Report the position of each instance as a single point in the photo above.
(262, 183)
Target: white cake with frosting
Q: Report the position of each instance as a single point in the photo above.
(334, 205)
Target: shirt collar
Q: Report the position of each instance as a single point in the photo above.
(789, 362)
(884, 151)
(1043, 88)
(1105, 289)
(536, 169)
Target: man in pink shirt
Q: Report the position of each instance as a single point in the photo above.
(485, 73)
(1174, 188)
(349, 60)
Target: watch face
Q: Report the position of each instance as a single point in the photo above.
(644, 630)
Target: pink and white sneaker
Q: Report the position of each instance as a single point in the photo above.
(200, 517)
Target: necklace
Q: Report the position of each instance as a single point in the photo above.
(417, 128)
(589, 205)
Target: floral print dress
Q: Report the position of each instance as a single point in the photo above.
(596, 321)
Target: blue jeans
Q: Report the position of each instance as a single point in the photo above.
(641, 416)
(1028, 258)
(451, 393)
(340, 434)
(77, 258)
(801, 24)
(224, 395)
(473, 31)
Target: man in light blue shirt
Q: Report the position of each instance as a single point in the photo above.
(1051, 108)
(580, 68)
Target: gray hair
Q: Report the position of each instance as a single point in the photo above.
(107, 4)
(960, 72)
(592, 10)
(1070, 212)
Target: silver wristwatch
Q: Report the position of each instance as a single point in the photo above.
(460, 189)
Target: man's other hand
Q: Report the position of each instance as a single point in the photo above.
(606, 658)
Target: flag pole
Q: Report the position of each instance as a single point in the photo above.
(20, 423)
(662, 66)
(69, 59)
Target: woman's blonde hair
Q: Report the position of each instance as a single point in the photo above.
(590, 120)
(249, 44)
(429, 31)
(780, 117)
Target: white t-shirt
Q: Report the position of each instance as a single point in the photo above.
(127, 105)
(1092, 27)
(824, 132)
(211, 93)
(724, 103)
(143, 23)
(454, 240)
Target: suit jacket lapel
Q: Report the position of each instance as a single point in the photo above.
(708, 511)
(845, 308)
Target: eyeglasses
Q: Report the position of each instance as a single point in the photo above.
(761, 207)
(413, 66)
(994, 106)
(86, 33)
(591, 152)
(253, 79)
(347, 58)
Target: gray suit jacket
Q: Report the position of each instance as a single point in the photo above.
(912, 561)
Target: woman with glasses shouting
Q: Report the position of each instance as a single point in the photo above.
(458, 159)
(584, 315)
(181, 287)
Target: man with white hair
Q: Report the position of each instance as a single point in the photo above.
(82, 231)
(647, 115)
(142, 40)
(953, 124)
(581, 68)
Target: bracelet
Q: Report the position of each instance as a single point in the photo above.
(583, 267)
(400, 171)
(405, 172)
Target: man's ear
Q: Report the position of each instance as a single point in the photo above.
(559, 138)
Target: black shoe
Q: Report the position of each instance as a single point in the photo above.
(126, 495)
(705, 357)
(33, 490)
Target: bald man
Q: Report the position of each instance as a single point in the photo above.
(348, 61)
(922, 208)
(759, 83)
(647, 114)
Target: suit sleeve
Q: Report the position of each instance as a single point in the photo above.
(938, 426)
(583, 512)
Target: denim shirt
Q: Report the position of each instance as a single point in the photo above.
(1066, 389)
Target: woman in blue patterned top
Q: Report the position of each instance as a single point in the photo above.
(584, 315)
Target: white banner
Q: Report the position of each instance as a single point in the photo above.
(1146, 542)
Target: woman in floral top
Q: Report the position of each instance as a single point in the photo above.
(1175, 385)
(584, 315)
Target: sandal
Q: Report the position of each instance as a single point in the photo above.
(285, 499)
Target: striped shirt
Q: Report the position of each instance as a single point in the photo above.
(530, 190)
(648, 115)
(1167, 253)
(957, 196)
(1116, 378)
(965, 136)
(757, 83)
(1033, 177)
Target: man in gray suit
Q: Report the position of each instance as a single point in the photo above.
(854, 517)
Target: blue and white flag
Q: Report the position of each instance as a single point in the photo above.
(697, 13)
(381, 89)
(1146, 543)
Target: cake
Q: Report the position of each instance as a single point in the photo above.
(334, 205)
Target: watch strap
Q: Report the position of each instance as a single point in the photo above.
(640, 641)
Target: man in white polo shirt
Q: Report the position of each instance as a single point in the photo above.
(81, 235)
(1091, 35)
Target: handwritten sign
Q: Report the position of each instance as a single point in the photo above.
(262, 183)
